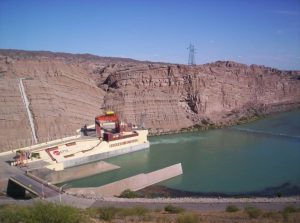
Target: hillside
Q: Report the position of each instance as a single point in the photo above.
(67, 91)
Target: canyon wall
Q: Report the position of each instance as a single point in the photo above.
(66, 91)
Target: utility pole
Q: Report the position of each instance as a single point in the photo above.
(60, 191)
(43, 191)
(192, 52)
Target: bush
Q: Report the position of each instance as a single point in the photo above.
(108, 213)
(253, 212)
(187, 218)
(129, 194)
(232, 208)
(173, 209)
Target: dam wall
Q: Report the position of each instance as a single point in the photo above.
(133, 183)
(104, 155)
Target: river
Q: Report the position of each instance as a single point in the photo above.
(235, 160)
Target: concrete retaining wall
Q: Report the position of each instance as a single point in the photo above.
(74, 173)
(133, 183)
(101, 156)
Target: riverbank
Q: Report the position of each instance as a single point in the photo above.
(155, 191)
(238, 119)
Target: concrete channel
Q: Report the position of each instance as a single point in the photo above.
(133, 183)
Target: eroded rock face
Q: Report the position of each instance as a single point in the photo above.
(220, 92)
(67, 91)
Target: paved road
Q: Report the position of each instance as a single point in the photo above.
(40, 189)
(200, 206)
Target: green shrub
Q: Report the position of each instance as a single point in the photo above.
(129, 194)
(173, 209)
(108, 213)
(42, 212)
(188, 218)
(252, 212)
(232, 208)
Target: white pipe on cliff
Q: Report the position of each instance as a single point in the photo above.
(26, 104)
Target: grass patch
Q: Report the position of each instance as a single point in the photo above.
(270, 215)
(157, 210)
(173, 209)
(187, 218)
(135, 211)
(232, 208)
(252, 212)
(108, 213)
(42, 212)
(288, 210)
(111, 213)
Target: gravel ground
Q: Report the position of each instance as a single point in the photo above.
(199, 204)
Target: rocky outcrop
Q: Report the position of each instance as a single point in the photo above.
(66, 91)
(220, 92)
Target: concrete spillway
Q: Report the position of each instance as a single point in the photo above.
(26, 104)
(133, 183)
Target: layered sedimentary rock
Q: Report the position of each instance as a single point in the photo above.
(220, 92)
(66, 91)
(62, 98)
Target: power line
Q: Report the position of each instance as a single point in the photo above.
(192, 52)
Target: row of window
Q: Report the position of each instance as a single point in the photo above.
(123, 143)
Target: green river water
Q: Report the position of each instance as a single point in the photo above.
(240, 159)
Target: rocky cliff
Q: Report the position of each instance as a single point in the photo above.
(66, 91)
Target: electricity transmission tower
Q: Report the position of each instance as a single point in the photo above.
(192, 52)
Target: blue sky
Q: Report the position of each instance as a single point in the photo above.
(263, 32)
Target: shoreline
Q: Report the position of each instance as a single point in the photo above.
(160, 191)
(234, 122)
(204, 200)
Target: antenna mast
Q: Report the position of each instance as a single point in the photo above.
(192, 52)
